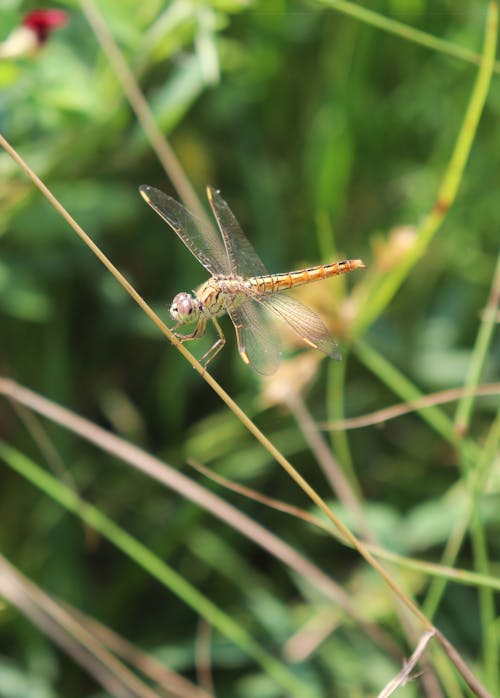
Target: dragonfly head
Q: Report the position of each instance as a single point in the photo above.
(184, 308)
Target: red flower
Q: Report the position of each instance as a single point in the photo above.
(42, 22)
(33, 32)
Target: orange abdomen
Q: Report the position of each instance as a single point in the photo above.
(272, 283)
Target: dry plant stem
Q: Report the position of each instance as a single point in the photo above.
(105, 261)
(329, 465)
(169, 578)
(305, 642)
(141, 109)
(461, 666)
(460, 576)
(404, 675)
(203, 659)
(387, 413)
(270, 502)
(148, 665)
(181, 347)
(218, 507)
(44, 444)
(234, 407)
(56, 623)
(347, 495)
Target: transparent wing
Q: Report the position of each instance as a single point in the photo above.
(243, 259)
(303, 321)
(199, 237)
(258, 343)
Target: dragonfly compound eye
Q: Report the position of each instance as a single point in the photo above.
(183, 308)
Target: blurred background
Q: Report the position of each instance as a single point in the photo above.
(329, 138)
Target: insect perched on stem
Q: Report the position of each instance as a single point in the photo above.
(241, 287)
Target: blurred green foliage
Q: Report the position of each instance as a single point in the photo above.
(322, 133)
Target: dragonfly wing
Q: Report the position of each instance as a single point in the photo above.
(303, 321)
(199, 237)
(258, 343)
(243, 259)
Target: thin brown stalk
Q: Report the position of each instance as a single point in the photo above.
(203, 658)
(331, 468)
(217, 506)
(71, 636)
(433, 569)
(270, 502)
(462, 666)
(348, 497)
(404, 675)
(305, 642)
(387, 413)
(166, 679)
(141, 108)
(234, 407)
(44, 444)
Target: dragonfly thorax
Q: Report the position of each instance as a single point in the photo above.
(185, 308)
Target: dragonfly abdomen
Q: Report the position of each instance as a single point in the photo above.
(272, 283)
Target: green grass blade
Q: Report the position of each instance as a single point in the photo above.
(154, 566)
(405, 32)
(479, 354)
(389, 284)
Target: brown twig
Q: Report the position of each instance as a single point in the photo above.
(404, 675)
(70, 635)
(141, 108)
(388, 413)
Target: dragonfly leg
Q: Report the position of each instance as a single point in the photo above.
(198, 331)
(210, 355)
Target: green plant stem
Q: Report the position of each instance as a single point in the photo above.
(392, 377)
(475, 476)
(486, 596)
(335, 401)
(405, 32)
(487, 611)
(479, 354)
(154, 566)
(485, 461)
(440, 423)
(389, 284)
(225, 397)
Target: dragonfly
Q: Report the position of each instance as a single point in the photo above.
(241, 287)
